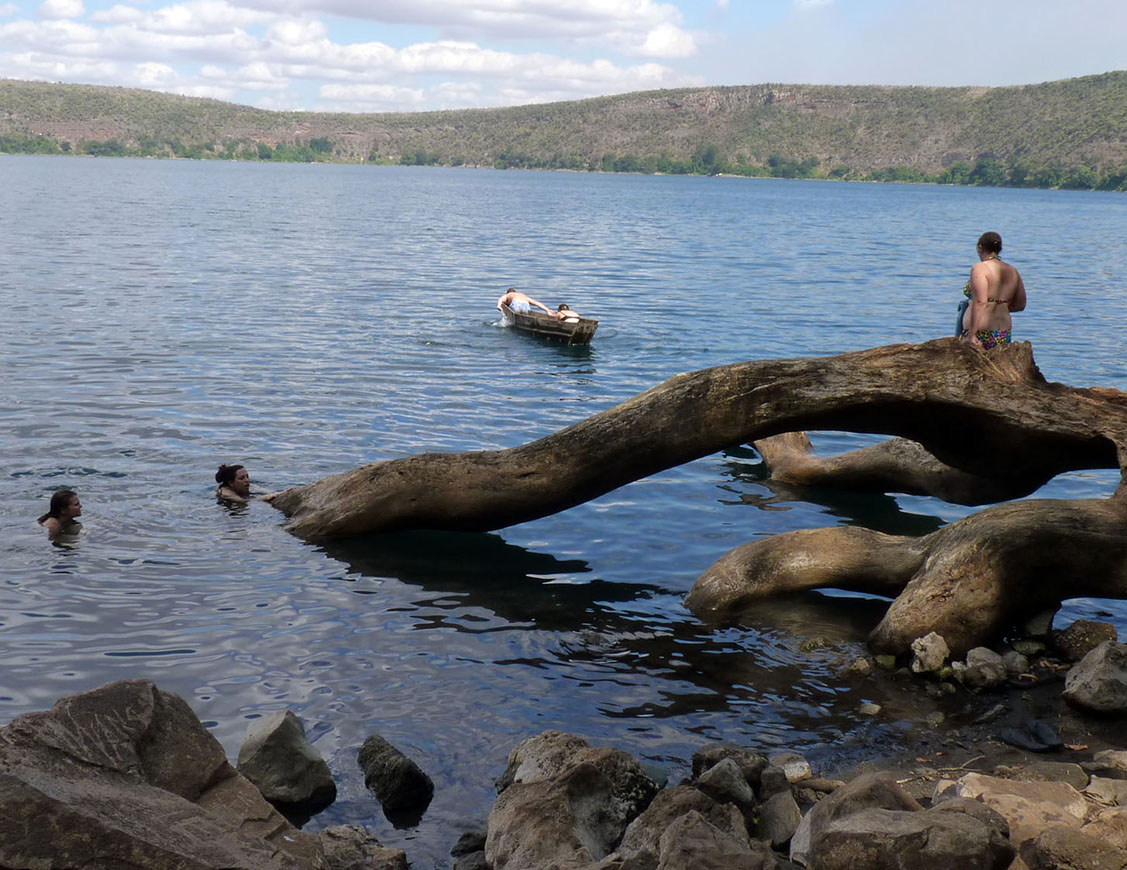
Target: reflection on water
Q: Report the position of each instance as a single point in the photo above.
(162, 317)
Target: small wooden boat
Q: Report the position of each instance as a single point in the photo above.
(570, 331)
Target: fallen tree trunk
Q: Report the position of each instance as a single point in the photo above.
(988, 414)
(968, 581)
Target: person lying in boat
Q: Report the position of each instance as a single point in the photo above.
(565, 313)
(520, 303)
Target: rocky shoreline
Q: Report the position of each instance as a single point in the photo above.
(126, 776)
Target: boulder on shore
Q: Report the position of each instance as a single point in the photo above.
(277, 757)
(1098, 682)
(565, 804)
(127, 773)
(399, 783)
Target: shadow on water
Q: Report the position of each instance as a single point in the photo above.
(519, 585)
(779, 660)
(871, 510)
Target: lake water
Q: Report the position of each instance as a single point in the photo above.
(161, 317)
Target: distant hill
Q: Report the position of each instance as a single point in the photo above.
(1070, 133)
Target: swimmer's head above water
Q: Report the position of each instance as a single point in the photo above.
(63, 510)
(234, 482)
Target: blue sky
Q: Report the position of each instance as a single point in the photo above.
(416, 55)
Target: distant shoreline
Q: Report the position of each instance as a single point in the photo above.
(1069, 134)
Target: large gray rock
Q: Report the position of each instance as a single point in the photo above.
(725, 783)
(398, 783)
(1068, 849)
(929, 653)
(1098, 682)
(777, 819)
(751, 763)
(692, 843)
(544, 756)
(1109, 825)
(1050, 771)
(128, 774)
(566, 804)
(1082, 637)
(1015, 663)
(985, 669)
(878, 839)
(795, 766)
(350, 847)
(868, 791)
(1028, 807)
(644, 833)
(1112, 759)
(1107, 791)
(277, 758)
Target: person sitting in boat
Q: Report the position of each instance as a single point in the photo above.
(565, 313)
(520, 303)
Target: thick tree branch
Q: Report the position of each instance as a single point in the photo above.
(968, 581)
(989, 414)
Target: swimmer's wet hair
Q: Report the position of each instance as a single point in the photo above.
(226, 474)
(59, 501)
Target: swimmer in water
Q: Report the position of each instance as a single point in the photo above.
(234, 483)
(62, 513)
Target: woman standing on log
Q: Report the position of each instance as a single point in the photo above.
(995, 289)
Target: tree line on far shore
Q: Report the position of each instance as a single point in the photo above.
(987, 171)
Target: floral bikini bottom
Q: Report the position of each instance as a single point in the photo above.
(993, 337)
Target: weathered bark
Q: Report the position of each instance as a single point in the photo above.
(968, 581)
(896, 465)
(988, 414)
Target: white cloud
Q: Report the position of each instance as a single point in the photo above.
(293, 31)
(150, 48)
(56, 9)
(197, 17)
(811, 4)
(626, 24)
(668, 41)
(158, 76)
(7, 10)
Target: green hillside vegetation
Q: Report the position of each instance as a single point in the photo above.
(1070, 133)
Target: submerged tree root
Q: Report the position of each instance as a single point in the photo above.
(896, 465)
(968, 581)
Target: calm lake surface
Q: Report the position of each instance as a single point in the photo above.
(161, 317)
